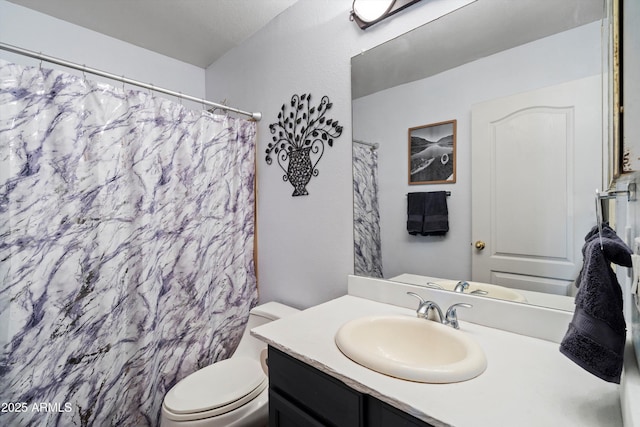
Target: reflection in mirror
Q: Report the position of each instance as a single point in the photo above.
(486, 290)
(366, 222)
(526, 71)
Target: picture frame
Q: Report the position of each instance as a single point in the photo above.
(432, 153)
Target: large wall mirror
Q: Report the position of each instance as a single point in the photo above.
(527, 84)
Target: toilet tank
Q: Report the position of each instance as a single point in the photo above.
(259, 315)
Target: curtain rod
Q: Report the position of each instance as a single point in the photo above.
(14, 49)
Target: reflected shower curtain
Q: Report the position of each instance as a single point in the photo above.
(366, 215)
(126, 257)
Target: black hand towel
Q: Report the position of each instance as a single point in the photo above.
(415, 212)
(436, 214)
(596, 336)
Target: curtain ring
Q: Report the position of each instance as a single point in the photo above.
(40, 56)
(123, 89)
(225, 112)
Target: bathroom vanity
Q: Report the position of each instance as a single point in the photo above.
(528, 382)
(300, 394)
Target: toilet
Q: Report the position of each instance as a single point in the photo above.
(229, 393)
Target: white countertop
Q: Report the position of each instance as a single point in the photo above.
(528, 382)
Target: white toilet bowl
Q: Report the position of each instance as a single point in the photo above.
(229, 393)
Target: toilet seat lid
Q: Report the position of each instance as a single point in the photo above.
(216, 386)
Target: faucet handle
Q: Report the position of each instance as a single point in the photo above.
(413, 294)
(451, 318)
(423, 308)
(433, 285)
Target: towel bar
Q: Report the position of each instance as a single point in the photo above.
(447, 192)
(630, 192)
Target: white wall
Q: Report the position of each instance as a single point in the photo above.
(384, 117)
(25, 28)
(305, 243)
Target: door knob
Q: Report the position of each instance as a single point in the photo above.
(480, 245)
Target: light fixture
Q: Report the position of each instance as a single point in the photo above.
(368, 12)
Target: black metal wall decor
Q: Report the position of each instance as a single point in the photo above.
(299, 137)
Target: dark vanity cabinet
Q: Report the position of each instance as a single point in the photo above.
(302, 396)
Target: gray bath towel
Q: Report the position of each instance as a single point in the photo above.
(415, 212)
(596, 335)
(427, 213)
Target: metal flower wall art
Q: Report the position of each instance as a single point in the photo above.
(299, 139)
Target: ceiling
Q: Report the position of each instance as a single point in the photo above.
(194, 31)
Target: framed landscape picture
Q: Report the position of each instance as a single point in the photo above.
(432, 153)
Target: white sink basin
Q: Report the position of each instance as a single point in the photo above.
(492, 291)
(411, 349)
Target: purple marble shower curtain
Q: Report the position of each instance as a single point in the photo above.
(366, 212)
(126, 248)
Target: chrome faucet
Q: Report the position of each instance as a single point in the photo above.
(424, 307)
(461, 286)
(450, 318)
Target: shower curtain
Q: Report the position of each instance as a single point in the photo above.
(126, 256)
(366, 214)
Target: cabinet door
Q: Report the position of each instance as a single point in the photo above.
(318, 394)
(380, 414)
(283, 413)
(302, 396)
